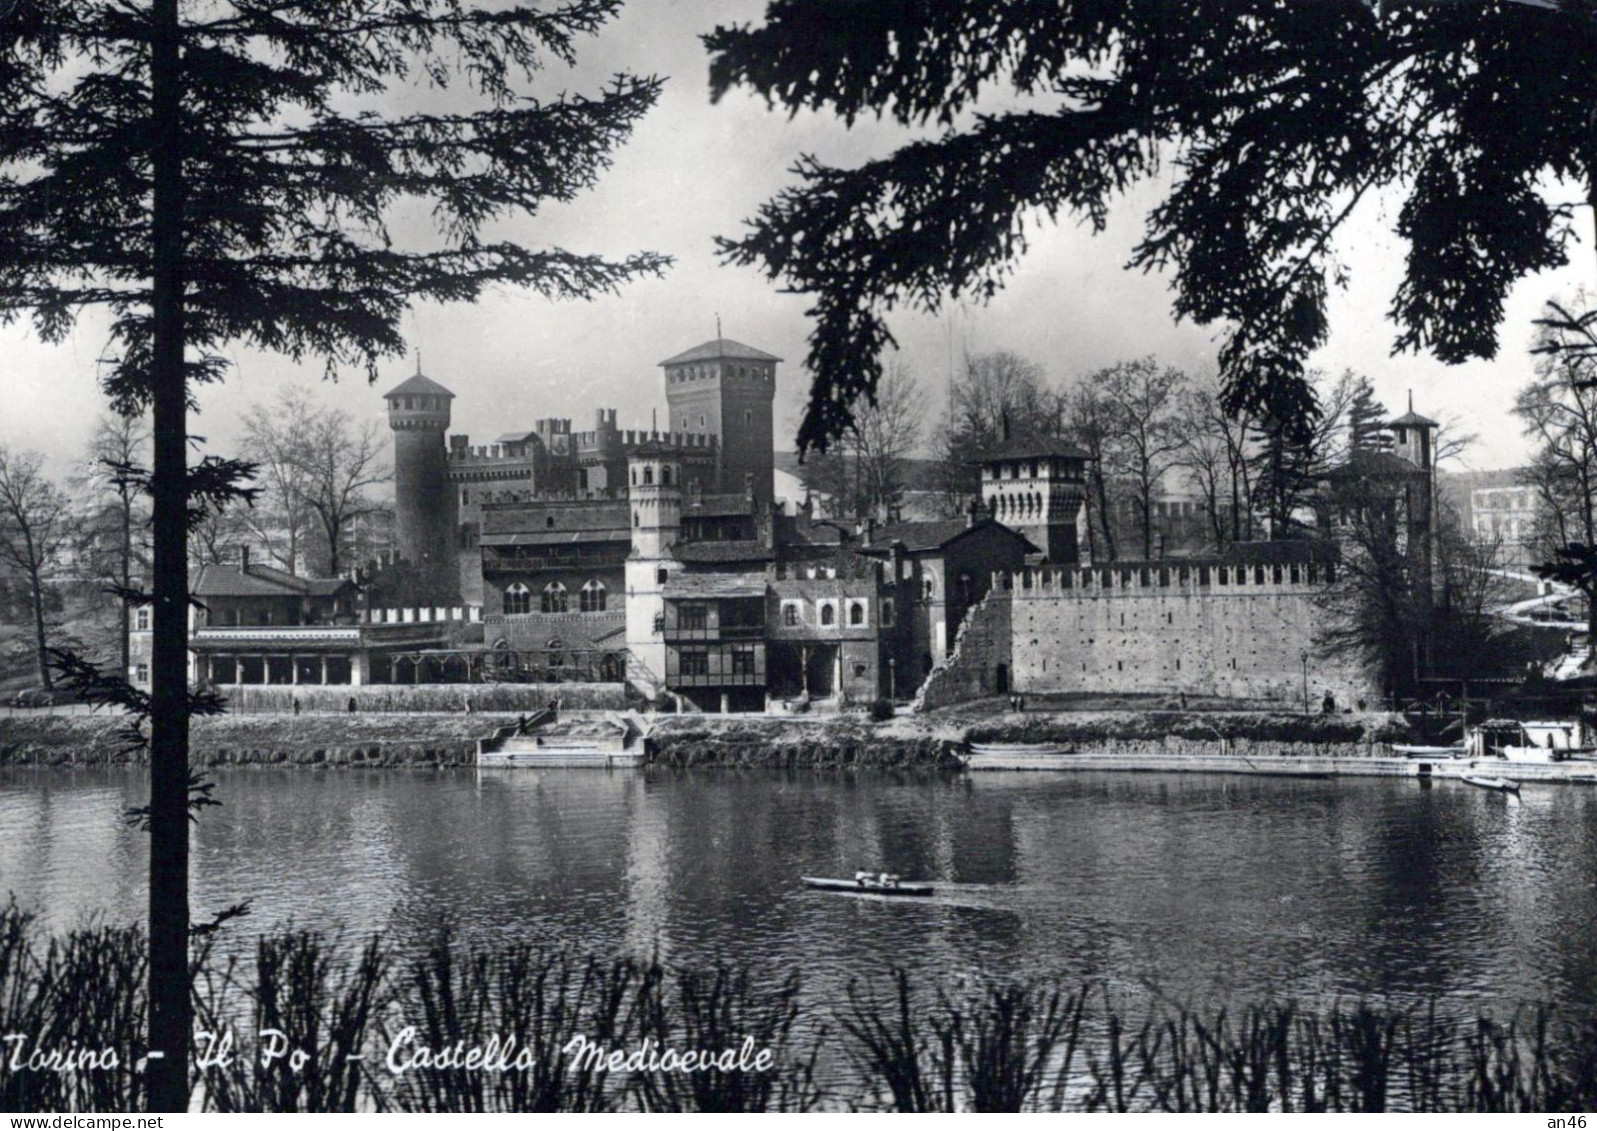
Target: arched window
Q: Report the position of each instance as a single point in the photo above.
(790, 615)
(665, 477)
(635, 518)
(828, 615)
(929, 589)
(856, 613)
(648, 476)
(554, 598)
(592, 597)
(555, 649)
(518, 599)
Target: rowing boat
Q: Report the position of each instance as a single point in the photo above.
(867, 886)
(1502, 785)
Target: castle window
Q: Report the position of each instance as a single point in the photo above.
(693, 618)
(141, 673)
(518, 599)
(593, 597)
(141, 620)
(648, 476)
(665, 477)
(635, 521)
(661, 574)
(554, 598)
(828, 615)
(856, 613)
(790, 614)
(929, 589)
(701, 420)
(554, 649)
(550, 521)
(887, 612)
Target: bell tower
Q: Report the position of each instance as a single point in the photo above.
(425, 507)
(654, 496)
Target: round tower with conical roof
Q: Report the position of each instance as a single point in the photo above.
(425, 508)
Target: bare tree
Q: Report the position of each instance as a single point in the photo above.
(115, 533)
(1144, 434)
(1088, 423)
(337, 465)
(35, 525)
(275, 438)
(995, 394)
(886, 429)
(1559, 413)
(1203, 455)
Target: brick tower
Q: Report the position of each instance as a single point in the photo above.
(725, 389)
(425, 507)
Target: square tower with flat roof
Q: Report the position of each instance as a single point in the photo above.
(726, 389)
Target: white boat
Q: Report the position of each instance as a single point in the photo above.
(1502, 785)
(1412, 751)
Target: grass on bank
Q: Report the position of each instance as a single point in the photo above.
(1035, 1045)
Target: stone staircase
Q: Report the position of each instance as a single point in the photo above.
(601, 740)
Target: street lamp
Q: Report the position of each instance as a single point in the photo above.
(1305, 660)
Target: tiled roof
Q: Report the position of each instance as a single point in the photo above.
(1363, 462)
(709, 585)
(533, 517)
(732, 550)
(1411, 419)
(710, 506)
(718, 348)
(918, 535)
(260, 581)
(1034, 449)
(418, 386)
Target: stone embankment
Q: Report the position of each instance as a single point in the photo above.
(264, 740)
(778, 744)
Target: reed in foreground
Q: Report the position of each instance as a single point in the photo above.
(312, 1023)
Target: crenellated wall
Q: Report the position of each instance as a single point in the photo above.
(1232, 631)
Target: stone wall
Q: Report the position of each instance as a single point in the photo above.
(1240, 633)
(980, 664)
(425, 697)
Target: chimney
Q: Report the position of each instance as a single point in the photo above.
(972, 512)
(244, 558)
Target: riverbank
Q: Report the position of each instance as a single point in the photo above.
(264, 740)
(1105, 739)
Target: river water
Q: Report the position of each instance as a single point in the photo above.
(1194, 886)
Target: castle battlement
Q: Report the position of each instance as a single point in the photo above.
(1143, 579)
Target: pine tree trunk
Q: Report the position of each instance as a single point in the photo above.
(170, 1018)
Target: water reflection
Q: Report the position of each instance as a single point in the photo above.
(1194, 885)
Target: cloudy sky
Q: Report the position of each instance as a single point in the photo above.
(692, 171)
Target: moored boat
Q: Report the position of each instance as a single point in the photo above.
(1502, 785)
(868, 884)
(1414, 751)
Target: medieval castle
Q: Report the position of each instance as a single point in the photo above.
(658, 562)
